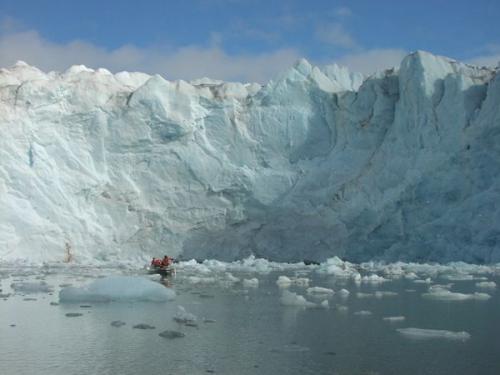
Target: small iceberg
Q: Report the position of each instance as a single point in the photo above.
(442, 294)
(320, 291)
(394, 319)
(486, 285)
(427, 334)
(294, 299)
(251, 283)
(184, 317)
(118, 288)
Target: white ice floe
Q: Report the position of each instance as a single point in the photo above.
(31, 287)
(459, 276)
(231, 278)
(293, 299)
(425, 281)
(426, 334)
(285, 282)
(373, 279)
(443, 294)
(227, 280)
(338, 268)
(319, 290)
(441, 286)
(411, 276)
(324, 304)
(344, 293)
(118, 288)
(183, 317)
(486, 285)
(251, 283)
(394, 319)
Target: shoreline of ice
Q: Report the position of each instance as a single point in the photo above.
(367, 272)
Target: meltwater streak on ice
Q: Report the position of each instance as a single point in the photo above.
(319, 162)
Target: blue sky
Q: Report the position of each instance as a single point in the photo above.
(243, 40)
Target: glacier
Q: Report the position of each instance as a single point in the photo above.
(319, 162)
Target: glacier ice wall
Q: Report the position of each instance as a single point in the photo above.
(404, 164)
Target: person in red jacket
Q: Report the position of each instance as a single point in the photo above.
(156, 262)
(167, 261)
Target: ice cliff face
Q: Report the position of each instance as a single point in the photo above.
(404, 164)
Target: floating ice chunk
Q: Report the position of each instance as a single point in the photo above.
(440, 286)
(363, 313)
(118, 288)
(31, 287)
(443, 294)
(324, 304)
(486, 285)
(411, 276)
(231, 278)
(382, 294)
(394, 319)
(344, 293)
(228, 280)
(458, 277)
(394, 271)
(426, 334)
(184, 317)
(425, 281)
(319, 290)
(293, 299)
(373, 279)
(251, 283)
(283, 282)
(337, 267)
(356, 276)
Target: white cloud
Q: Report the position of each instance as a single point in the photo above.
(187, 62)
(343, 12)
(336, 35)
(486, 60)
(369, 61)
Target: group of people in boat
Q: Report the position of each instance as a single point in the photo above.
(162, 263)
